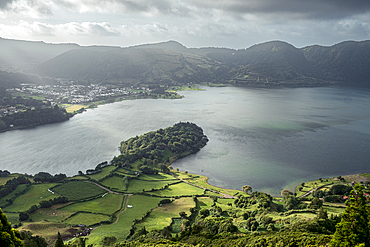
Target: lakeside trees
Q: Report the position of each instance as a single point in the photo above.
(179, 140)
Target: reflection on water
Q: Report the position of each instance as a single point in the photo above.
(267, 138)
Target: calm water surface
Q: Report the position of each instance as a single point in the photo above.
(268, 138)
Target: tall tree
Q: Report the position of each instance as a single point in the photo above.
(247, 189)
(8, 235)
(59, 242)
(353, 229)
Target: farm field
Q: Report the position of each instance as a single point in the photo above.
(50, 214)
(114, 182)
(78, 190)
(137, 186)
(36, 194)
(183, 189)
(17, 190)
(121, 229)
(108, 204)
(86, 219)
(48, 230)
(162, 216)
(159, 176)
(105, 171)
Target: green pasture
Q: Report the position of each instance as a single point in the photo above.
(108, 204)
(48, 230)
(36, 194)
(180, 189)
(202, 181)
(50, 214)
(204, 202)
(12, 217)
(162, 216)
(159, 176)
(77, 177)
(222, 202)
(114, 182)
(3, 180)
(334, 208)
(136, 185)
(78, 190)
(140, 205)
(10, 195)
(105, 172)
(86, 219)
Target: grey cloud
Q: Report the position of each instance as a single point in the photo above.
(5, 3)
(313, 9)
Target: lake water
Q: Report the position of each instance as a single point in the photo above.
(267, 138)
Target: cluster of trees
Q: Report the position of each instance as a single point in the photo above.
(181, 139)
(334, 194)
(8, 100)
(12, 184)
(35, 117)
(47, 177)
(4, 173)
(262, 199)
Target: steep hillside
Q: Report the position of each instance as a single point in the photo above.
(18, 55)
(346, 62)
(273, 63)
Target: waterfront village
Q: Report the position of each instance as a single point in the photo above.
(71, 94)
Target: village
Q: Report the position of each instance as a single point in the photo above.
(75, 94)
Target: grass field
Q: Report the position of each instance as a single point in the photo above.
(3, 180)
(162, 216)
(121, 229)
(50, 214)
(78, 178)
(159, 176)
(86, 219)
(180, 189)
(17, 190)
(135, 185)
(48, 230)
(71, 108)
(78, 190)
(202, 181)
(105, 171)
(36, 194)
(205, 202)
(13, 217)
(114, 182)
(104, 205)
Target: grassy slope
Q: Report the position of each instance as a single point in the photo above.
(104, 205)
(162, 216)
(78, 190)
(121, 229)
(36, 194)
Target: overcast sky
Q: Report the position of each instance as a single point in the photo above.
(194, 23)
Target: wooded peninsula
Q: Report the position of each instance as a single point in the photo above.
(138, 199)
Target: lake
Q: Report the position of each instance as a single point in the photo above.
(267, 138)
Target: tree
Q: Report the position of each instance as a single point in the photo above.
(353, 229)
(285, 192)
(23, 216)
(247, 189)
(59, 242)
(8, 235)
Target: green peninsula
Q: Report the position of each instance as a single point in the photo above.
(138, 199)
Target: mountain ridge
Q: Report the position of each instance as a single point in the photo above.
(272, 63)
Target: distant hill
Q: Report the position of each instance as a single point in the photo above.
(346, 62)
(273, 63)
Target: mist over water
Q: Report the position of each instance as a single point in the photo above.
(268, 138)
